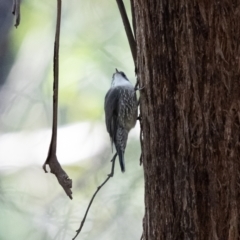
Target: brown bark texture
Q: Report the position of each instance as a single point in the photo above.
(188, 60)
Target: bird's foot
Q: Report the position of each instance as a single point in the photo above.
(139, 88)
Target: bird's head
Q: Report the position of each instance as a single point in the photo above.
(119, 79)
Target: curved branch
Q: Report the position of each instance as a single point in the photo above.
(51, 160)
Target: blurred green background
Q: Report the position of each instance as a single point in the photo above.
(93, 43)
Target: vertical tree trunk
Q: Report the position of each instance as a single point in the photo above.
(188, 55)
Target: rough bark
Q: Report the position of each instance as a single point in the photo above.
(188, 60)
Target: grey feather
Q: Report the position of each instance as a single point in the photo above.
(111, 112)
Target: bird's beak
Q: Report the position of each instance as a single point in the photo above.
(116, 70)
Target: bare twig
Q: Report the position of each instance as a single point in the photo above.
(133, 17)
(51, 160)
(128, 30)
(16, 12)
(94, 195)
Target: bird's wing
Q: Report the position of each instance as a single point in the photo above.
(111, 111)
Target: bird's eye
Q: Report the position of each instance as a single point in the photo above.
(123, 74)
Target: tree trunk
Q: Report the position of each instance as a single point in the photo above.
(188, 60)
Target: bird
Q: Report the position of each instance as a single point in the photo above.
(121, 110)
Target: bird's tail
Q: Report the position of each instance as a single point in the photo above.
(120, 144)
(121, 160)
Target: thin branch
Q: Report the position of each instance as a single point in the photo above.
(94, 195)
(51, 160)
(133, 17)
(16, 12)
(128, 30)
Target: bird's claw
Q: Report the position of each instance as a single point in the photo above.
(139, 88)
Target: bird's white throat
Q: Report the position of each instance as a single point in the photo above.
(119, 80)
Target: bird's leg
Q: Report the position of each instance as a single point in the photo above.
(138, 88)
